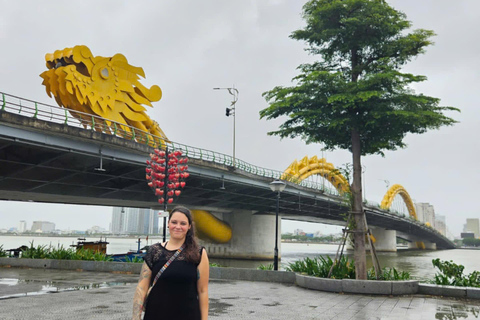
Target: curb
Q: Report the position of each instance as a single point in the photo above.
(357, 286)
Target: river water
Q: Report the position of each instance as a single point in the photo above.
(418, 263)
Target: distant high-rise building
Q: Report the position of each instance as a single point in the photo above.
(22, 226)
(134, 221)
(43, 226)
(441, 225)
(473, 226)
(425, 213)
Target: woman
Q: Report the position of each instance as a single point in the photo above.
(181, 292)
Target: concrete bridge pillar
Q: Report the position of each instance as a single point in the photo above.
(422, 245)
(253, 236)
(386, 240)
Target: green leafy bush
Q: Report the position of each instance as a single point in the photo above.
(213, 264)
(344, 269)
(320, 267)
(388, 274)
(61, 253)
(267, 267)
(133, 259)
(3, 253)
(39, 252)
(452, 274)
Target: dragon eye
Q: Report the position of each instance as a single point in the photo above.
(104, 73)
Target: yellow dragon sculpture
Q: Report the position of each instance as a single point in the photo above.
(105, 87)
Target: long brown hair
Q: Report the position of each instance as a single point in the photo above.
(192, 249)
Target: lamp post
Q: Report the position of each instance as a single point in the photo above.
(231, 111)
(276, 186)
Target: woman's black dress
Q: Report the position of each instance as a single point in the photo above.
(174, 296)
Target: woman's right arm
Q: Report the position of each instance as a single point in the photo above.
(141, 291)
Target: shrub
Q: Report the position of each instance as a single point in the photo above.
(3, 253)
(39, 252)
(388, 274)
(452, 274)
(344, 269)
(320, 267)
(267, 267)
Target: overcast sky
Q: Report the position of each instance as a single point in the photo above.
(188, 47)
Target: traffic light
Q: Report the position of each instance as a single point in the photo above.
(227, 112)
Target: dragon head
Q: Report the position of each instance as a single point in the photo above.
(104, 87)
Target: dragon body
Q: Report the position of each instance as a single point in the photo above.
(108, 88)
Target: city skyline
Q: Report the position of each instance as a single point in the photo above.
(247, 44)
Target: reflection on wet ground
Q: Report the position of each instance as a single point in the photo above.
(20, 282)
(457, 310)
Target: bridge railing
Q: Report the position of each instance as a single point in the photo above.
(74, 118)
(55, 114)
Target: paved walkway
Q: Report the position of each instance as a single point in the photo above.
(24, 294)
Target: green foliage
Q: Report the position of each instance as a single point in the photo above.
(213, 264)
(133, 259)
(345, 269)
(39, 252)
(61, 253)
(471, 242)
(452, 274)
(320, 267)
(389, 274)
(267, 267)
(356, 85)
(304, 238)
(3, 253)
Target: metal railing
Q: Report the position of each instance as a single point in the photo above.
(73, 118)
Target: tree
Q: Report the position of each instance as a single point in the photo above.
(356, 97)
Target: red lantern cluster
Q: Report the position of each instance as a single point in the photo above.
(166, 173)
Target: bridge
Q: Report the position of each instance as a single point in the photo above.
(46, 155)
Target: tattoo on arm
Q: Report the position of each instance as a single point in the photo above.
(141, 292)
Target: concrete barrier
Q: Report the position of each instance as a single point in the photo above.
(357, 286)
(81, 265)
(446, 291)
(251, 275)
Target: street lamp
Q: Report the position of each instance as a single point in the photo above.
(276, 186)
(231, 111)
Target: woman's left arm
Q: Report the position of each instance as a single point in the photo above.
(202, 284)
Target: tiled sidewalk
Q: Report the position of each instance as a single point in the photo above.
(88, 295)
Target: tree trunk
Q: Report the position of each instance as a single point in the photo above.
(357, 207)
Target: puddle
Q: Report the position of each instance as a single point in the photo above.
(51, 287)
(452, 312)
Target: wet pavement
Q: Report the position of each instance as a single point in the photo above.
(58, 294)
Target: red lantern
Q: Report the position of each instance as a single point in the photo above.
(170, 200)
(182, 184)
(160, 200)
(177, 192)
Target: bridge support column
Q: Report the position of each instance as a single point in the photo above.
(386, 240)
(422, 245)
(253, 236)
